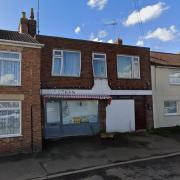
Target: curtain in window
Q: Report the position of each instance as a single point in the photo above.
(10, 72)
(124, 67)
(57, 66)
(9, 118)
(71, 64)
(99, 68)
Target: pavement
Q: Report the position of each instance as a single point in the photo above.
(76, 153)
(161, 169)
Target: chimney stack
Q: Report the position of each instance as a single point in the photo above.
(118, 41)
(23, 24)
(32, 24)
(27, 26)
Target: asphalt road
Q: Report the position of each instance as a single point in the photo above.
(161, 169)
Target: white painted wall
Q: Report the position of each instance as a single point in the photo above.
(100, 87)
(162, 91)
(120, 116)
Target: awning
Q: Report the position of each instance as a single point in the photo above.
(77, 96)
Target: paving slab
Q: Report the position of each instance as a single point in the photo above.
(21, 170)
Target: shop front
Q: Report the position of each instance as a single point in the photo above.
(71, 115)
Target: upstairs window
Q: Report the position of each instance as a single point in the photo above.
(99, 65)
(66, 63)
(10, 68)
(174, 78)
(128, 67)
(170, 107)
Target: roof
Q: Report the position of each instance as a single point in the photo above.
(167, 59)
(16, 36)
(40, 38)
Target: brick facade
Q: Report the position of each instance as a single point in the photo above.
(31, 111)
(143, 115)
(86, 80)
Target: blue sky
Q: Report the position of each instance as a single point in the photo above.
(88, 19)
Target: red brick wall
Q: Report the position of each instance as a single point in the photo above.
(86, 79)
(30, 88)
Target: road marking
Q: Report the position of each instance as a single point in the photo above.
(107, 166)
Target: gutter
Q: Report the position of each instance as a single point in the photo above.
(21, 44)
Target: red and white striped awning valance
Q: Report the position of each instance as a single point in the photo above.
(77, 96)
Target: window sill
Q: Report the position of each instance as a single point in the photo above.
(174, 84)
(121, 78)
(6, 85)
(10, 136)
(57, 76)
(172, 114)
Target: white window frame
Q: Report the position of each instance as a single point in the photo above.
(132, 62)
(17, 60)
(62, 62)
(99, 59)
(170, 72)
(20, 121)
(177, 107)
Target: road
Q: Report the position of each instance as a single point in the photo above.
(160, 169)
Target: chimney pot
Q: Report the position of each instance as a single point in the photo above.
(32, 14)
(24, 15)
(118, 41)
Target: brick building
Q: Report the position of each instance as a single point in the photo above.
(20, 111)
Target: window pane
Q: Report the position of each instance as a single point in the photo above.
(10, 72)
(57, 53)
(99, 68)
(136, 68)
(53, 112)
(170, 107)
(9, 118)
(101, 56)
(174, 77)
(57, 66)
(124, 67)
(71, 64)
(76, 112)
(8, 55)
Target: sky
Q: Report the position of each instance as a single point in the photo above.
(149, 23)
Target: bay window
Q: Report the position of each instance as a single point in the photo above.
(10, 68)
(10, 118)
(128, 67)
(66, 63)
(99, 65)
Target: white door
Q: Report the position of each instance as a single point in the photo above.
(120, 116)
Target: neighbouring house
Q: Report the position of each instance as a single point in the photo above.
(165, 71)
(20, 109)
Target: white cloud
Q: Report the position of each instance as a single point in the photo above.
(97, 40)
(102, 34)
(163, 34)
(110, 41)
(99, 4)
(77, 30)
(99, 36)
(147, 13)
(140, 43)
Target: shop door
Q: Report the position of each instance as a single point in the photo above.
(120, 116)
